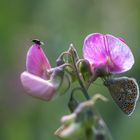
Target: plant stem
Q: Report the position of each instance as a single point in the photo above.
(89, 134)
(79, 79)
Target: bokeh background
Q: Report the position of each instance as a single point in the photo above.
(58, 23)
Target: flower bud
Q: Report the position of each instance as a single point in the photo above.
(75, 125)
(85, 70)
(73, 52)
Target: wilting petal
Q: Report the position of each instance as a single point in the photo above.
(109, 52)
(67, 119)
(70, 130)
(73, 131)
(38, 87)
(120, 54)
(36, 62)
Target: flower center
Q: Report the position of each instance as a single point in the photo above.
(109, 62)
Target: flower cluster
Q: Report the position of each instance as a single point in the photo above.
(103, 56)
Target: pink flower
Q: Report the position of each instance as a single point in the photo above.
(35, 79)
(107, 52)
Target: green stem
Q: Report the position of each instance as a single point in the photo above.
(79, 80)
(89, 134)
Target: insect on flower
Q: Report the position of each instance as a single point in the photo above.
(108, 55)
(124, 91)
(36, 81)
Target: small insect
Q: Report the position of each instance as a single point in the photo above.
(124, 91)
(37, 41)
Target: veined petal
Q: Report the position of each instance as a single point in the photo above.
(94, 49)
(107, 52)
(38, 87)
(37, 62)
(120, 54)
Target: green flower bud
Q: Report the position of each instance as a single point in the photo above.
(73, 52)
(85, 69)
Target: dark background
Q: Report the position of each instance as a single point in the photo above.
(58, 23)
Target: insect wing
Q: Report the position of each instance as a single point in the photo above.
(125, 92)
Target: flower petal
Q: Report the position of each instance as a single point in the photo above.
(36, 62)
(72, 131)
(107, 52)
(94, 49)
(122, 39)
(38, 87)
(120, 54)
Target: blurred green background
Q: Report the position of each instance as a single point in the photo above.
(59, 23)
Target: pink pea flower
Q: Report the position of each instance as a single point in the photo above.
(107, 52)
(35, 79)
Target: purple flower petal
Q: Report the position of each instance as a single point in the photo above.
(36, 62)
(94, 49)
(120, 54)
(38, 87)
(122, 39)
(107, 51)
